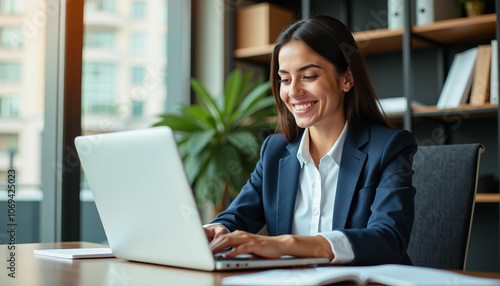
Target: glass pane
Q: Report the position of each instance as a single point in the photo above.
(14, 7)
(123, 77)
(11, 37)
(22, 88)
(139, 10)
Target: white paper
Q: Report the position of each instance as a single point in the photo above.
(384, 274)
(75, 253)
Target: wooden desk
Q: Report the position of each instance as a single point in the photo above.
(38, 270)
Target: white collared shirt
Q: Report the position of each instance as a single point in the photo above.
(316, 196)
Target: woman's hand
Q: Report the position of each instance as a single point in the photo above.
(215, 230)
(244, 242)
(272, 246)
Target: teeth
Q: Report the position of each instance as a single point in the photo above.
(303, 106)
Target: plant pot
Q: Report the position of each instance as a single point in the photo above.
(474, 8)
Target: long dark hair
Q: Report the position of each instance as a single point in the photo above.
(332, 40)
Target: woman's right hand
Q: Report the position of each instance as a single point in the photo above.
(214, 230)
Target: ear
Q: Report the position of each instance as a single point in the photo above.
(348, 80)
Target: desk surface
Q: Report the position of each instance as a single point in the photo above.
(37, 270)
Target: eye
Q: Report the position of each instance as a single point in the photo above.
(283, 80)
(310, 77)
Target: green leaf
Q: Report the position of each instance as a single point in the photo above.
(247, 84)
(178, 123)
(210, 184)
(193, 164)
(250, 100)
(258, 126)
(205, 99)
(199, 140)
(258, 106)
(243, 141)
(232, 91)
(228, 164)
(199, 115)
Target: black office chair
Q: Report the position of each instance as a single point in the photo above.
(446, 180)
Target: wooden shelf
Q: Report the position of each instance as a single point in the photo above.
(487, 198)
(457, 30)
(261, 54)
(485, 110)
(378, 41)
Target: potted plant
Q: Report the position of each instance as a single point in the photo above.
(219, 141)
(473, 7)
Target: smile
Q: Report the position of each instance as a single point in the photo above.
(300, 107)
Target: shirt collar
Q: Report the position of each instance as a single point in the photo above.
(335, 152)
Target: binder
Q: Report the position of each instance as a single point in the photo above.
(494, 73)
(480, 93)
(429, 11)
(395, 14)
(459, 80)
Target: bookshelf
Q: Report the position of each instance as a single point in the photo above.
(458, 30)
(445, 32)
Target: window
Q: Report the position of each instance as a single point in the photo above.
(100, 5)
(137, 109)
(11, 37)
(164, 12)
(138, 75)
(139, 10)
(14, 7)
(9, 143)
(138, 43)
(100, 39)
(99, 88)
(10, 106)
(10, 72)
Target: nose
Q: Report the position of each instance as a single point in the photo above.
(296, 89)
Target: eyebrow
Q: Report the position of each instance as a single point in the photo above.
(301, 68)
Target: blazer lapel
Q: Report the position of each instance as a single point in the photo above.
(288, 179)
(353, 160)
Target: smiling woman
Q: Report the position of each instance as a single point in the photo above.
(337, 182)
(313, 91)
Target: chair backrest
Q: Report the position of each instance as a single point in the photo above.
(446, 181)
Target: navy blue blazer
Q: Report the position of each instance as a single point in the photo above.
(374, 204)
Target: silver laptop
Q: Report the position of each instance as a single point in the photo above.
(146, 204)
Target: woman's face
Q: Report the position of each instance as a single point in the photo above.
(310, 87)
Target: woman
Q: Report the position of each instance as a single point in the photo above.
(336, 182)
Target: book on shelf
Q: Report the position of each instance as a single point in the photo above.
(494, 73)
(382, 274)
(480, 93)
(395, 14)
(396, 104)
(430, 11)
(457, 85)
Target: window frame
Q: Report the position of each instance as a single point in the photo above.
(60, 207)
